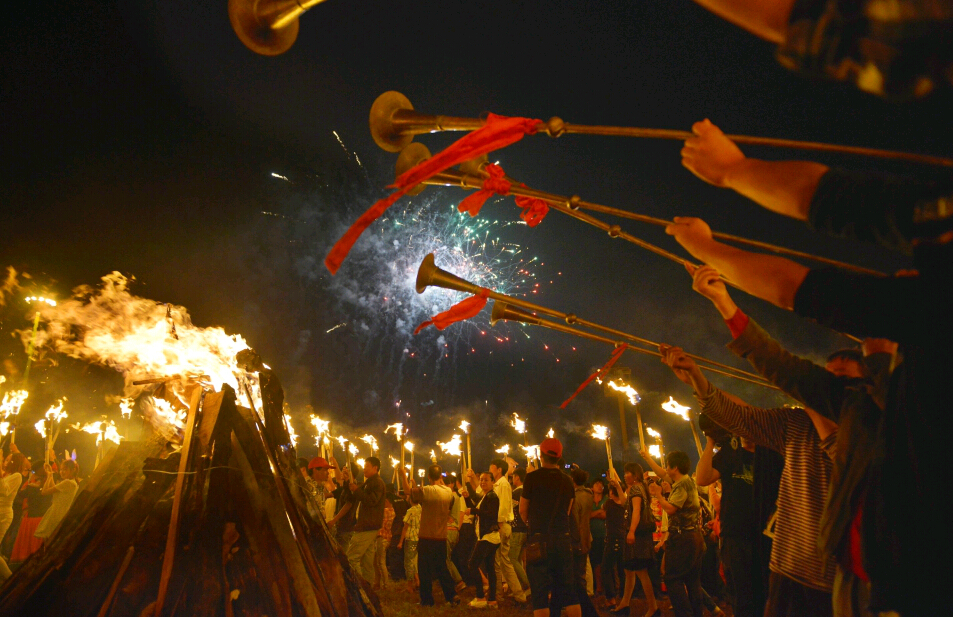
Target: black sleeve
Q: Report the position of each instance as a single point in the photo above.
(862, 305)
(882, 208)
(718, 462)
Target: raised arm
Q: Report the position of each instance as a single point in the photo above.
(785, 187)
(705, 474)
(661, 473)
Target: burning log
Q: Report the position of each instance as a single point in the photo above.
(243, 543)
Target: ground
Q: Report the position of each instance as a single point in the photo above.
(396, 601)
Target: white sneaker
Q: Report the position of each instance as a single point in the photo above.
(478, 603)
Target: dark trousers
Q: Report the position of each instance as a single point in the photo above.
(683, 565)
(712, 583)
(741, 571)
(788, 598)
(579, 586)
(613, 575)
(431, 564)
(483, 558)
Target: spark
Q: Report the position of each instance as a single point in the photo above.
(280, 177)
(340, 325)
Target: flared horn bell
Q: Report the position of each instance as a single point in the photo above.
(430, 275)
(267, 27)
(502, 310)
(411, 156)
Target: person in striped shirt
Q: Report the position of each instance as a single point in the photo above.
(801, 578)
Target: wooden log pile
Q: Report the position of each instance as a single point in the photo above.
(218, 526)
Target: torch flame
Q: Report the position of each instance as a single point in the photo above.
(371, 441)
(421, 472)
(519, 425)
(626, 389)
(504, 449)
(360, 462)
(322, 427)
(341, 440)
(654, 433)
(291, 432)
(40, 427)
(672, 406)
(532, 452)
(551, 433)
(655, 451)
(433, 456)
(409, 446)
(393, 461)
(352, 449)
(125, 407)
(600, 432)
(12, 402)
(55, 413)
(397, 428)
(453, 446)
(465, 427)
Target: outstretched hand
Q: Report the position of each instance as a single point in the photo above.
(682, 365)
(710, 155)
(692, 233)
(707, 281)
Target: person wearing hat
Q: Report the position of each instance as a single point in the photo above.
(318, 470)
(546, 504)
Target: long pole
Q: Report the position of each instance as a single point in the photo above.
(469, 454)
(638, 418)
(625, 434)
(698, 443)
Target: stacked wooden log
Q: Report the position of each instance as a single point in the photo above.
(216, 525)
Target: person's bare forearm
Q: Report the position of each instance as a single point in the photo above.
(767, 20)
(768, 277)
(661, 473)
(704, 473)
(785, 187)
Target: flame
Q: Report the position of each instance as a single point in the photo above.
(371, 441)
(322, 427)
(421, 472)
(654, 433)
(4, 428)
(55, 413)
(433, 456)
(407, 467)
(655, 451)
(504, 449)
(409, 446)
(672, 406)
(168, 414)
(40, 427)
(140, 338)
(103, 431)
(600, 432)
(393, 461)
(352, 449)
(125, 407)
(398, 430)
(453, 446)
(341, 440)
(12, 402)
(626, 389)
(465, 427)
(291, 432)
(551, 433)
(519, 425)
(360, 462)
(530, 451)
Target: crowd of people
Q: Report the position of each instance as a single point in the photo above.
(34, 500)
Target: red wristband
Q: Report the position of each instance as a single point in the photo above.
(737, 323)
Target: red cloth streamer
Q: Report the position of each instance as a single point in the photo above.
(464, 309)
(498, 132)
(534, 210)
(598, 374)
(496, 184)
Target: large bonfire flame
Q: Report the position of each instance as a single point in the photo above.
(140, 338)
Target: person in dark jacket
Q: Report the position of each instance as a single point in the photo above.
(486, 509)
(369, 499)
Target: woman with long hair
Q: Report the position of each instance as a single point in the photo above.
(639, 548)
(613, 575)
(36, 506)
(62, 492)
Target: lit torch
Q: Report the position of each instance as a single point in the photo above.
(394, 463)
(629, 392)
(551, 433)
(372, 442)
(520, 426)
(602, 432)
(125, 408)
(104, 431)
(504, 449)
(291, 432)
(655, 450)
(51, 425)
(453, 448)
(532, 454)
(322, 429)
(409, 446)
(465, 427)
(9, 408)
(399, 433)
(672, 406)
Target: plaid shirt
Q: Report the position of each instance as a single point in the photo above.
(412, 523)
(385, 531)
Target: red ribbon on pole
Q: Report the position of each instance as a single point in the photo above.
(534, 209)
(498, 132)
(464, 309)
(598, 374)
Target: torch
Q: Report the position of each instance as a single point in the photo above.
(465, 427)
(399, 435)
(409, 446)
(681, 411)
(629, 392)
(532, 452)
(372, 442)
(342, 441)
(291, 431)
(655, 450)
(453, 448)
(49, 426)
(9, 408)
(602, 432)
(433, 457)
(354, 452)
(520, 426)
(36, 326)
(322, 429)
(394, 463)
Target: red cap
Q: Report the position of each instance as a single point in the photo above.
(318, 463)
(551, 447)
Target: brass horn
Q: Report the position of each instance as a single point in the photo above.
(502, 311)
(394, 123)
(470, 176)
(267, 27)
(429, 274)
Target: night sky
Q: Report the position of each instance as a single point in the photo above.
(143, 137)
